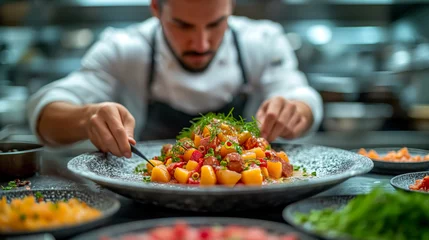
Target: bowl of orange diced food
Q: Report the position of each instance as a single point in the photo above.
(59, 212)
(397, 160)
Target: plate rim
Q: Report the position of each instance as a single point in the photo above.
(219, 190)
(106, 215)
(395, 163)
(151, 223)
(287, 212)
(407, 189)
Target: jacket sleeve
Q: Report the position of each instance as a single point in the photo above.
(94, 82)
(281, 76)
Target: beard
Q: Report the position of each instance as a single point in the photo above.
(186, 66)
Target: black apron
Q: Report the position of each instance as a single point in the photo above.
(165, 122)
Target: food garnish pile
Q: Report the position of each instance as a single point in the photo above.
(182, 231)
(32, 213)
(379, 215)
(220, 150)
(421, 184)
(403, 155)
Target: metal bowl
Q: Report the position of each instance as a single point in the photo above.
(19, 159)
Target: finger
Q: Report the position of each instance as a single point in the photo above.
(293, 122)
(261, 112)
(132, 141)
(283, 121)
(300, 127)
(107, 139)
(274, 108)
(128, 122)
(96, 140)
(116, 128)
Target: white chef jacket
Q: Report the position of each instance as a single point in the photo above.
(116, 67)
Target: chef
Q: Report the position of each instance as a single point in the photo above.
(149, 80)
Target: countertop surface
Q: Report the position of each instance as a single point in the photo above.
(132, 211)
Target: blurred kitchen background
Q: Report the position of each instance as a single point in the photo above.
(368, 58)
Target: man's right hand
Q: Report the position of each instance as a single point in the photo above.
(110, 128)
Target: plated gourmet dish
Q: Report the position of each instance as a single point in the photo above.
(220, 150)
(182, 230)
(33, 213)
(379, 215)
(403, 155)
(421, 184)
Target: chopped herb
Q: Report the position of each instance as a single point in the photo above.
(219, 157)
(140, 168)
(210, 153)
(296, 168)
(223, 163)
(257, 162)
(304, 170)
(268, 147)
(238, 149)
(198, 124)
(38, 195)
(22, 217)
(246, 168)
(146, 179)
(11, 185)
(176, 159)
(313, 173)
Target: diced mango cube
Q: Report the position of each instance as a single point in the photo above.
(228, 177)
(191, 165)
(197, 140)
(169, 161)
(258, 151)
(160, 174)
(283, 156)
(225, 150)
(208, 176)
(265, 173)
(155, 163)
(181, 175)
(243, 137)
(248, 156)
(274, 169)
(252, 177)
(188, 154)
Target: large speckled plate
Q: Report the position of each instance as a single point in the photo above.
(404, 181)
(107, 205)
(319, 203)
(384, 167)
(332, 166)
(139, 227)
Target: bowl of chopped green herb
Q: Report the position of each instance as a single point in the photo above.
(19, 159)
(378, 215)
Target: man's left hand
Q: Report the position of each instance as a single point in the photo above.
(279, 117)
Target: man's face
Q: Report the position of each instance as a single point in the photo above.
(194, 29)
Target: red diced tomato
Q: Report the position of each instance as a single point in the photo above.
(205, 233)
(193, 182)
(173, 166)
(180, 230)
(263, 163)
